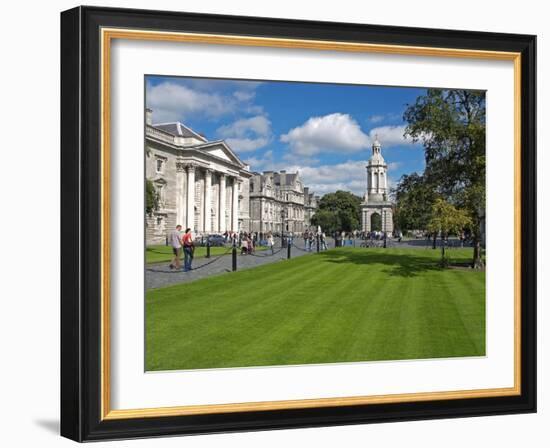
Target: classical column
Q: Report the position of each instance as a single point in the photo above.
(207, 200)
(261, 216)
(221, 211)
(190, 196)
(235, 206)
(371, 186)
(181, 200)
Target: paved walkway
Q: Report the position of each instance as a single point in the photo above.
(159, 275)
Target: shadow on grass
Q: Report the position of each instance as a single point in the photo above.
(399, 265)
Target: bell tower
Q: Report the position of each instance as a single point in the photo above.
(376, 201)
(377, 170)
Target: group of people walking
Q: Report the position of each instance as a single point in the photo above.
(247, 241)
(310, 240)
(180, 242)
(250, 240)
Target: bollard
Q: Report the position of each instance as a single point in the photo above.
(234, 258)
(208, 248)
(288, 247)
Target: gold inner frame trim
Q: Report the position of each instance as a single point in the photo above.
(107, 35)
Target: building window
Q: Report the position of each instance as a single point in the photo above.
(161, 191)
(160, 165)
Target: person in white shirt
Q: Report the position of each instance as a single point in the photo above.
(270, 242)
(175, 242)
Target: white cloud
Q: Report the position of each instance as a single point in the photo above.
(258, 125)
(376, 118)
(339, 133)
(379, 118)
(253, 109)
(330, 133)
(243, 95)
(179, 98)
(247, 144)
(393, 165)
(348, 176)
(261, 163)
(170, 102)
(295, 159)
(247, 134)
(390, 136)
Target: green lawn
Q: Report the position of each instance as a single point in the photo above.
(337, 306)
(161, 253)
(157, 254)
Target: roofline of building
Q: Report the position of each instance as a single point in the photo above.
(200, 137)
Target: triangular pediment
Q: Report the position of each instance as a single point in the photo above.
(221, 150)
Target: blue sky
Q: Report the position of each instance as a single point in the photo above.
(324, 131)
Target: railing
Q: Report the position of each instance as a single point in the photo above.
(234, 252)
(160, 135)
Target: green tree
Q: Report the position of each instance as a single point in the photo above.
(376, 222)
(451, 126)
(151, 197)
(338, 211)
(446, 219)
(414, 198)
(327, 219)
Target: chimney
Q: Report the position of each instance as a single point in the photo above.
(148, 117)
(282, 177)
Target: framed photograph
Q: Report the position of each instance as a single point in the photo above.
(276, 224)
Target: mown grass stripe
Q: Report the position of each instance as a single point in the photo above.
(338, 306)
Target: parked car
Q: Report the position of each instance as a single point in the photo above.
(216, 240)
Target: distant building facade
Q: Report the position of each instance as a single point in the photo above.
(376, 208)
(279, 202)
(200, 184)
(311, 204)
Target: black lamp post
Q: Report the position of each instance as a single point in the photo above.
(282, 226)
(234, 255)
(384, 228)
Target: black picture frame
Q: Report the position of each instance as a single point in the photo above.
(81, 224)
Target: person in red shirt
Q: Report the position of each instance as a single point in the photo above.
(188, 249)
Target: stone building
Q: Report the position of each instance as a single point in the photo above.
(280, 202)
(201, 184)
(311, 204)
(376, 209)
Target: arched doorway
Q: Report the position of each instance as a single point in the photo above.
(375, 222)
